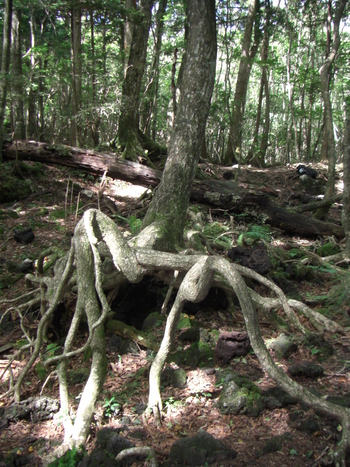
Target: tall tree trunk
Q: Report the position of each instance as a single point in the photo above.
(265, 135)
(328, 118)
(248, 53)
(150, 100)
(129, 117)
(5, 65)
(41, 101)
(32, 129)
(311, 98)
(166, 216)
(257, 152)
(128, 31)
(346, 175)
(76, 134)
(95, 114)
(17, 77)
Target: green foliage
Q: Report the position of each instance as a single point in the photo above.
(218, 234)
(41, 371)
(327, 249)
(184, 322)
(57, 214)
(294, 253)
(52, 349)
(70, 459)
(111, 407)
(171, 404)
(134, 224)
(254, 235)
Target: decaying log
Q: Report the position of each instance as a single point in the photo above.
(223, 194)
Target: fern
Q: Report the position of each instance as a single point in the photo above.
(254, 234)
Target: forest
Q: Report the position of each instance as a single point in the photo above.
(175, 233)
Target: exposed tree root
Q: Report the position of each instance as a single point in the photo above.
(144, 451)
(97, 241)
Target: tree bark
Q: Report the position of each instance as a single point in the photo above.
(76, 134)
(129, 117)
(234, 143)
(169, 206)
(328, 118)
(128, 32)
(257, 151)
(346, 179)
(17, 80)
(95, 114)
(149, 105)
(5, 64)
(32, 128)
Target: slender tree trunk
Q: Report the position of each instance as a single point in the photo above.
(257, 151)
(76, 134)
(5, 65)
(328, 118)
(165, 218)
(265, 136)
(41, 101)
(129, 117)
(311, 98)
(128, 31)
(95, 114)
(32, 129)
(290, 100)
(17, 77)
(150, 100)
(346, 178)
(248, 53)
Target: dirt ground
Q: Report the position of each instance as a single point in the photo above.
(51, 211)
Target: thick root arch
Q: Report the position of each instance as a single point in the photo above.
(97, 241)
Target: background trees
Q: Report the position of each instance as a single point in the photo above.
(69, 61)
(112, 69)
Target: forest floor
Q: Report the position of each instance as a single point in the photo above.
(50, 211)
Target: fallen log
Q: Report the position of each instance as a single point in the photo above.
(226, 195)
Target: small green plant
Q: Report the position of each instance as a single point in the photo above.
(57, 214)
(41, 371)
(111, 407)
(169, 402)
(52, 349)
(254, 234)
(70, 459)
(134, 224)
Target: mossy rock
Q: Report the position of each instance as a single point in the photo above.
(319, 347)
(300, 272)
(13, 189)
(328, 249)
(8, 279)
(71, 457)
(152, 321)
(184, 322)
(282, 345)
(197, 355)
(209, 336)
(239, 395)
(175, 378)
(274, 444)
(199, 450)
